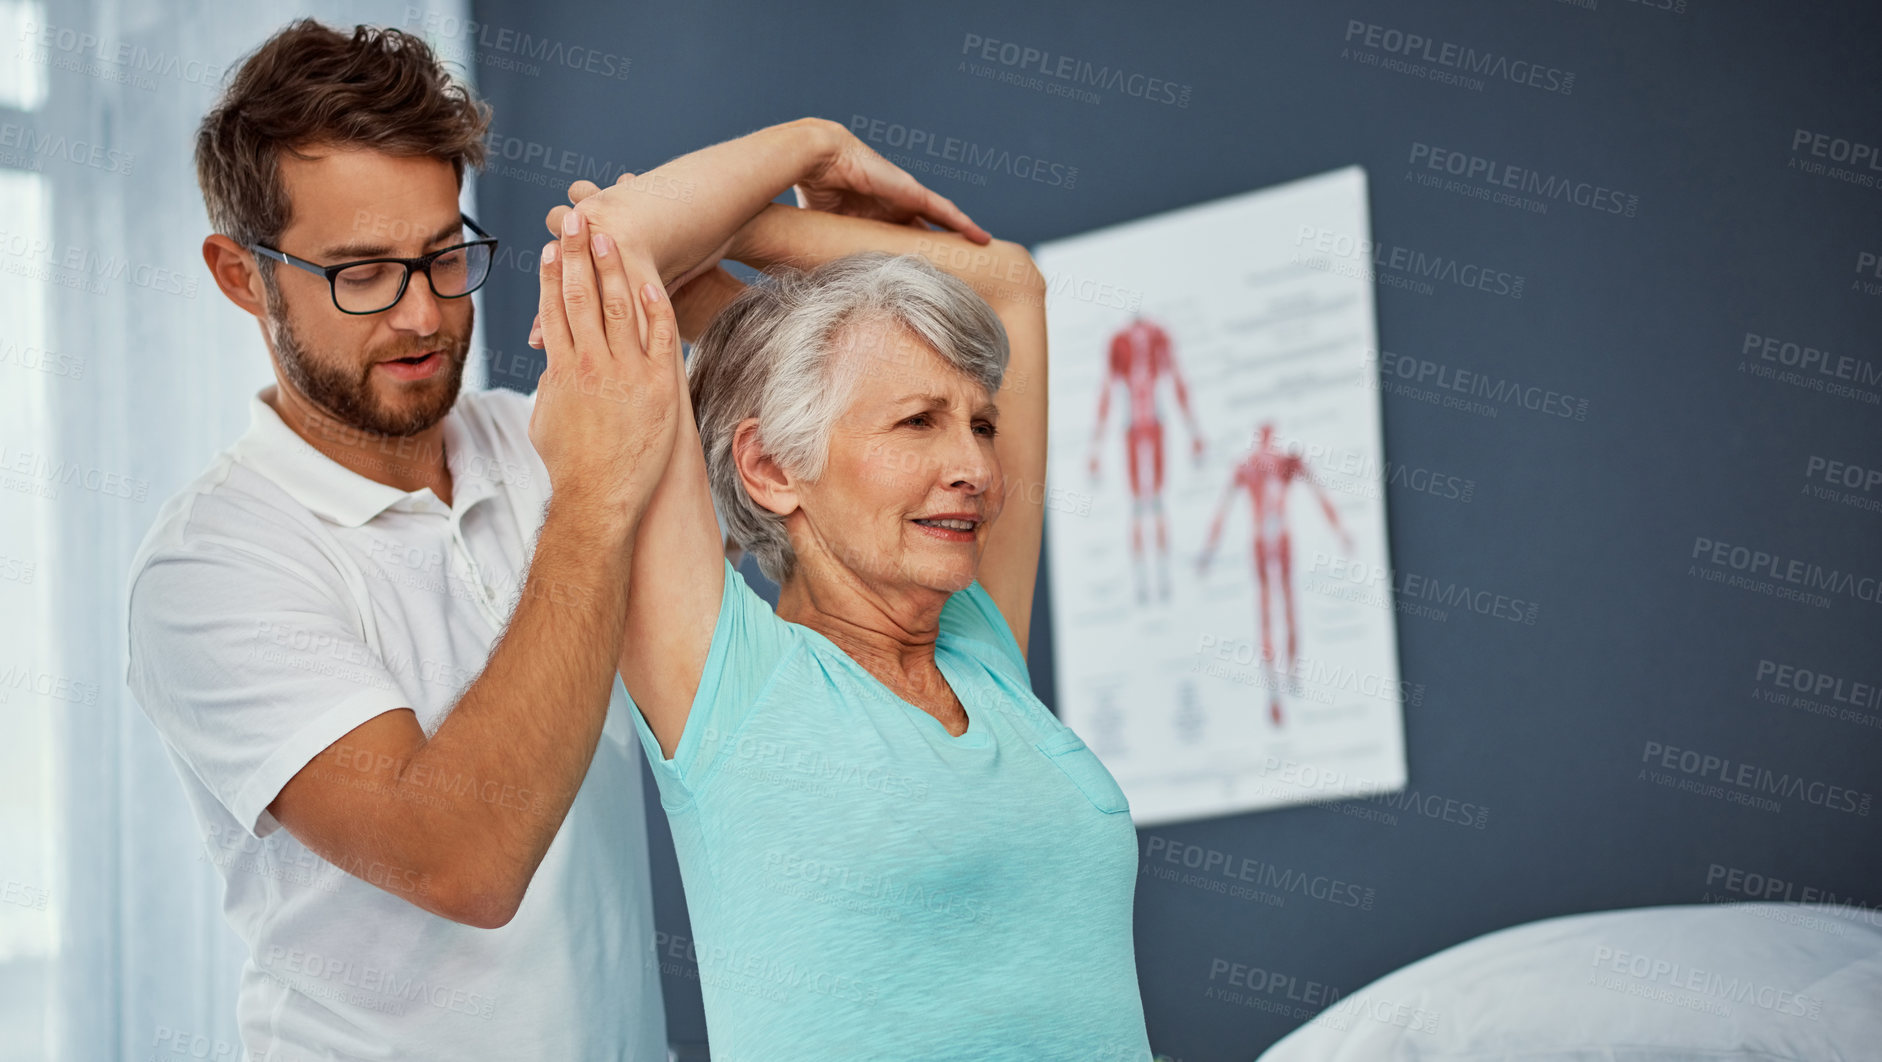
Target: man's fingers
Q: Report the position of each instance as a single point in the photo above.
(942, 211)
(580, 296)
(618, 317)
(549, 312)
(662, 327)
(554, 220)
(902, 196)
(905, 194)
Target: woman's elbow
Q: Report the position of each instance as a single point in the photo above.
(1009, 279)
(1021, 272)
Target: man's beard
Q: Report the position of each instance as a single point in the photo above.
(345, 392)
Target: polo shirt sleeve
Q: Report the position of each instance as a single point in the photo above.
(971, 614)
(750, 645)
(249, 663)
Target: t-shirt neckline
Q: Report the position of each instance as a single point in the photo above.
(974, 736)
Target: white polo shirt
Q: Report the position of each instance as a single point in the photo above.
(281, 600)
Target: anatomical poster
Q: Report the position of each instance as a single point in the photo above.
(1221, 593)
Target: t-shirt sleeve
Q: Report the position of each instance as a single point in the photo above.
(249, 666)
(971, 614)
(749, 645)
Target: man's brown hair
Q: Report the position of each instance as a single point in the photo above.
(309, 84)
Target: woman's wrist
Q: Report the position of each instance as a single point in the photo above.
(820, 142)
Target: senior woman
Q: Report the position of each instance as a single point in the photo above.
(890, 848)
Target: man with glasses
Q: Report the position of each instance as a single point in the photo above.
(373, 285)
(380, 635)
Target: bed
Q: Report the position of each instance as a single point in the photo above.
(1713, 982)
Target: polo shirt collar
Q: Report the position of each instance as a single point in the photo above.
(334, 492)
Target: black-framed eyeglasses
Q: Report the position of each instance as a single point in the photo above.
(375, 285)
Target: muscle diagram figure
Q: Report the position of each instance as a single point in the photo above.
(1265, 474)
(1140, 356)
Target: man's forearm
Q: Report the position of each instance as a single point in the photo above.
(682, 211)
(511, 755)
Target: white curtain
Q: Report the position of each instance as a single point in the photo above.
(122, 370)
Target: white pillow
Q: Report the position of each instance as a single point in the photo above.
(1764, 981)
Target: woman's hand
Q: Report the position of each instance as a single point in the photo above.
(859, 182)
(607, 406)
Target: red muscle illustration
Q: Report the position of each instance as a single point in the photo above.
(1265, 474)
(1139, 357)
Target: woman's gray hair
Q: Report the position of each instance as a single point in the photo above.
(772, 354)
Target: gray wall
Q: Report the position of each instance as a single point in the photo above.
(1644, 314)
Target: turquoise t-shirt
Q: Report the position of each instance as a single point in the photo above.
(864, 885)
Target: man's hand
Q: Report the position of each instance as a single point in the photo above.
(859, 182)
(607, 405)
(679, 291)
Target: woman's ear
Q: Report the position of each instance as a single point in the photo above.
(765, 480)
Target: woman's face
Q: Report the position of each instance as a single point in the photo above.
(912, 485)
